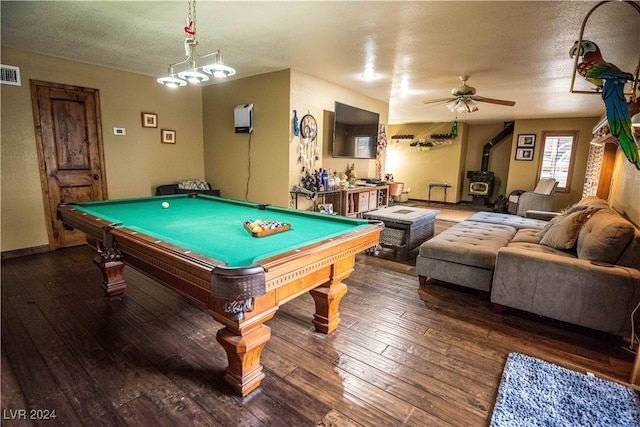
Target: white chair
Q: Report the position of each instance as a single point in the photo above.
(540, 199)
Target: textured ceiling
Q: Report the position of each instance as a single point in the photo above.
(513, 50)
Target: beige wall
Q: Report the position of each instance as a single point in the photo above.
(317, 97)
(138, 162)
(226, 153)
(499, 157)
(275, 168)
(441, 164)
(522, 174)
(625, 189)
(135, 163)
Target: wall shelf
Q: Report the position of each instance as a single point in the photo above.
(401, 138)
(424, 145)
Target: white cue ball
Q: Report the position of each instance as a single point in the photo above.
(165, 205)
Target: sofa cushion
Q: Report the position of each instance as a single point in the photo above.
(563, 230)
(470, 243)
(514, 221)
(631, 255)
(541, 215)
(534, 247)
(560, 216)
(593, 202)
(604, 237)
(529, 239)
(527, 235)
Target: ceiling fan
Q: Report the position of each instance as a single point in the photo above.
(464, 99)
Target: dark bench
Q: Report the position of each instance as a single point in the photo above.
(168, 189)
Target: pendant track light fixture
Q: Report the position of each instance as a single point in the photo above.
(194, 74)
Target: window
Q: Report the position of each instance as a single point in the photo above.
(558, 153)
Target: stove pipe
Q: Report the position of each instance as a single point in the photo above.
(508, 129)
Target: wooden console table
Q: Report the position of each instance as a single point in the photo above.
(328, 196)
(359, 200)
(351, 202)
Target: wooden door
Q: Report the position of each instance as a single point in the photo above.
(70, 152)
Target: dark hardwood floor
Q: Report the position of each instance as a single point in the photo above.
(401, 356)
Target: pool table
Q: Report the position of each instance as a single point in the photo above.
(199, 245)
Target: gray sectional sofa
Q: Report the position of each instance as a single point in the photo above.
(581, 267)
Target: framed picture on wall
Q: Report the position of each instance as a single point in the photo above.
(524, 153)
(168, 136)
(149, 120)
(526, 141)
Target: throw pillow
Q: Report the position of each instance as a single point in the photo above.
(194, 184)
(563, 230)
(563, 214)
(604, 238)
(593, 202)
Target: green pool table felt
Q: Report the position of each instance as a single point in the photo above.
(214, 226)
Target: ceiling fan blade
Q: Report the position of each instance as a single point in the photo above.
(433, 101)
(493, 101)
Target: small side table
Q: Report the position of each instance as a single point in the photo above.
(442, 185)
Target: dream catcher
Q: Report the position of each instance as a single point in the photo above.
(308, 146)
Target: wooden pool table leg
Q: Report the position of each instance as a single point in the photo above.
(110, 262)
(112, 275)
(327, 297)
(327, 317)
(243, 348)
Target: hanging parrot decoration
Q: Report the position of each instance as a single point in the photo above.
(611, 81)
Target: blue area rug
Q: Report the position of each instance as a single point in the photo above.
(537, 393)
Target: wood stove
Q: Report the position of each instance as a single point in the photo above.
(480, 186)
(481, 182)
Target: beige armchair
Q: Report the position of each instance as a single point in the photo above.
(540, 199)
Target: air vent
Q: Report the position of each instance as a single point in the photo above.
(9, 75)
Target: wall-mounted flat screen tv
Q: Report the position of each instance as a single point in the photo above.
(355, 132)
